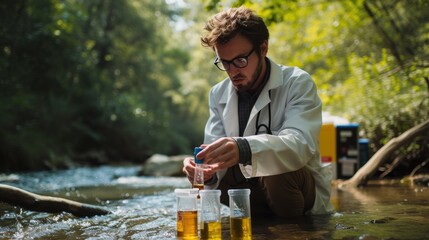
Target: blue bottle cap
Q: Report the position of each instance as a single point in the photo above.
(196, 151)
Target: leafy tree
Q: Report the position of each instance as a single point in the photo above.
(82, 77)
(199, 73)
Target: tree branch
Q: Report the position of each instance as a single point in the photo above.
(390, 43)
(361, 177)
(34, 202)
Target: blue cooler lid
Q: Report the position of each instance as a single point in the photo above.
(349, 125)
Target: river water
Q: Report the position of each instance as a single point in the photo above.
(144, 208)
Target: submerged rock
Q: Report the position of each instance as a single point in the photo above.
(382, 220)
(342, 227)
(9, 178)
(422, 179)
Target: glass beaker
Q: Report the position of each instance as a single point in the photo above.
(239, 207)
(187, 213)
(211, 224)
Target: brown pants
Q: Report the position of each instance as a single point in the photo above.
(286, 195)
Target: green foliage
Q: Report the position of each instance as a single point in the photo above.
(81, 76)
(388, 104)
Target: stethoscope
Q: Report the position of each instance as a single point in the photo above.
(236, 173)
(262, 125)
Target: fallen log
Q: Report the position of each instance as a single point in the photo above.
(34, 202)
(361, 177)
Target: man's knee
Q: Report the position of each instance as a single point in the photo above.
(290, 194)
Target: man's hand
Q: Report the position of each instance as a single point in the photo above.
(219, 155)
(189, 170)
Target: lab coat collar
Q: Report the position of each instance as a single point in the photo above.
(230, 98)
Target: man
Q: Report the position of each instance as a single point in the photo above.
(264, 124)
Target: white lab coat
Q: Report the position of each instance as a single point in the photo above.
(296, 117)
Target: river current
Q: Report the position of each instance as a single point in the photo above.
(144, 207)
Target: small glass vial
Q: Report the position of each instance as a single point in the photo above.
(199, 173)
(240, 221)
(187, 214)
(211, 224)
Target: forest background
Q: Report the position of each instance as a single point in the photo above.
(111, 81)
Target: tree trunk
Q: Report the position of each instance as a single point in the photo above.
(361, 177)
(34, 202)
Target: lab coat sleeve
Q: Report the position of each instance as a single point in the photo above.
(214, 130)
(294, 143)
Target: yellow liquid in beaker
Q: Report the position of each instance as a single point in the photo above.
(211, 231)
(187, 225)
(241, 228)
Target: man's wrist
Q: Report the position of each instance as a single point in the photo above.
(211, 181)
(245, 154)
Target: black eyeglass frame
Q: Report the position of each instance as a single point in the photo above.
(222, 63)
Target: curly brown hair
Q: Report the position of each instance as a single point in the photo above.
(225, 25)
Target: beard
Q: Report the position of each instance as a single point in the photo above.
(254, 82)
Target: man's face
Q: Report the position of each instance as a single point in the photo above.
(249, 77)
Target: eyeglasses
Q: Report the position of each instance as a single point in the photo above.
(238, 62)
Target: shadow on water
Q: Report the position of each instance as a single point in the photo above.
(144, 208)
